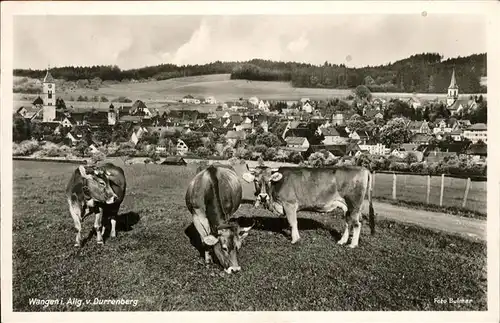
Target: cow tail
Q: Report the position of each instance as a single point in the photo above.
(371, 212)
(218, 206)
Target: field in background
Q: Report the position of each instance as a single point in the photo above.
(157, 93)
(402, 267)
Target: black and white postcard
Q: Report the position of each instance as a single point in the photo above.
(251, 161)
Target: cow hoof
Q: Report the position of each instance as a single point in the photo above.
(352, 246)
(113, 235)
(100, 243)
(77, 245)
(340, 242)
(295, 241)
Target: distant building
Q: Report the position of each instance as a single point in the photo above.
(181, 147)
(476, 132)
(297, 142)
(49, 98)
(210, 100)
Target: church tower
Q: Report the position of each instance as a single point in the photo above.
(452, 90)
(111, 115)
(49, 98)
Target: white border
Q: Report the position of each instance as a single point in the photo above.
(489, 9)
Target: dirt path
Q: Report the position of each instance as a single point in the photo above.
(467, 227)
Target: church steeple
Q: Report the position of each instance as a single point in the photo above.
(453, 82)
(452, 90)
(49, 97)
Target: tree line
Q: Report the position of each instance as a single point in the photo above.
(424, 73)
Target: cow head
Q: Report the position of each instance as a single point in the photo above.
(97, 185)
(262, 177)
(227, 242)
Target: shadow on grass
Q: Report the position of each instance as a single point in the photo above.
(194, 239)
(124, 223)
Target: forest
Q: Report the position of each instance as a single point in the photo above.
(423, 73)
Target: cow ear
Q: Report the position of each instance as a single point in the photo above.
(210, 240)
(248, 177)
(276, 177)
(83, 172)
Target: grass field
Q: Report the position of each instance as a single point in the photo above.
(157, 93)
(402, 267)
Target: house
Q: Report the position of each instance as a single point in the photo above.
(346, 149)
(456, 135)
(421, 139)
(181, 147)
(254, 101)
(414, 102)
(67, 122)
(373, 114)
(307, 107)
(22, 111)
(233, 137)
(297, 142)
(338, 119)
(190, 99)
(477, 151)
(460, 105)
(304, 100)
(174, 160)
(38, 101)
(264, 106)
(476, 132)
(139, 108)
(72, 138)
(335, 135)
(376, 149)
(137, 133)
(419, 127)
(210, 100)
(441, 127)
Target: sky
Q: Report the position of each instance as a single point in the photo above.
(138, 41)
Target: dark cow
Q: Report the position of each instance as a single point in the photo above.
(212, 197)
(290, 189)
(98, 190)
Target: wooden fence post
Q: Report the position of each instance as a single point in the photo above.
(467, 187)
(442, 190)
(428, 188)
(394, 178)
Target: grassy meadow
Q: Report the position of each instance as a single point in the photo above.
(152, 259)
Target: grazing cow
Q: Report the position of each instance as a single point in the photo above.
(117, 181)
(290, 189)
(212, 197)
(90, 191)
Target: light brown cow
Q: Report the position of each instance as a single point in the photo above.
(290, 189)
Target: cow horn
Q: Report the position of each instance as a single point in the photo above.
(108, 173)
(274, 169)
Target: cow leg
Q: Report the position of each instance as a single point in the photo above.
(97, 226)
(356, 229)
(345, 236)
(201, 224)
(113, 227)
(75, 210)
(291, 215)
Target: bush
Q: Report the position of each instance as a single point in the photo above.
(399, 167)
(228, 152)
(25, 148)
(295, 157)
(419, 167)
(270, 153)
(316, 159)
(203, 152)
